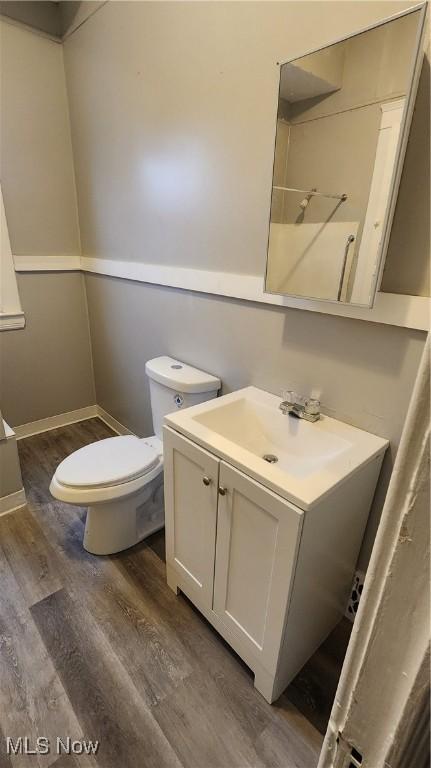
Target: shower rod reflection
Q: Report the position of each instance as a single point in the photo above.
(312, 193)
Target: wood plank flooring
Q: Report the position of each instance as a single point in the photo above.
(99, 648)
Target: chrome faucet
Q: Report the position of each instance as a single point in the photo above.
(301, 407)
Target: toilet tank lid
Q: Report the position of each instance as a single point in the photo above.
(180, 376)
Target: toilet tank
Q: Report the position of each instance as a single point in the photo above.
(175, 385)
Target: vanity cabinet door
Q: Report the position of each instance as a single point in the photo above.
(191, 480)
(257, 540)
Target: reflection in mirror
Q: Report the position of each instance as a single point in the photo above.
(339, 133)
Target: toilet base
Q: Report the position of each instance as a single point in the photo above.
(113, 526)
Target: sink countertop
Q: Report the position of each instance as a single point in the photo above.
(312, 458)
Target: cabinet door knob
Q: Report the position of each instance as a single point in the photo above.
(206, 480)
(222, 491)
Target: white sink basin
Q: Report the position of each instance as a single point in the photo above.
(312, 458)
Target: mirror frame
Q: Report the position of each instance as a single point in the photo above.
(414, 75)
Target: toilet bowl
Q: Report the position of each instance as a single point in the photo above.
(120, 479)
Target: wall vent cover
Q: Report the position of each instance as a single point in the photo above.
(355, 595)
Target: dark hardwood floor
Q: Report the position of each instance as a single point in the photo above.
(99, 648)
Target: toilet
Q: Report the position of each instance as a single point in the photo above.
(120, 479)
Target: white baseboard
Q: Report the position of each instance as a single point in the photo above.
(52, 422)
(12, 502)
(115, 425)
(70, 417)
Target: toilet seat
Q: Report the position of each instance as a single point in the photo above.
(112, 488)
(109, 462)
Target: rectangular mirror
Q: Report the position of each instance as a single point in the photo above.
(342, 122)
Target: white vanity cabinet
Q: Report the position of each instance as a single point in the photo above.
(257, 539)
(191, 505)
(271, 578)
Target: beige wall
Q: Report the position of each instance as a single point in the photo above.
(46, 368)
(35, 147)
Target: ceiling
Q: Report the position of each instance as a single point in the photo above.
(52, 18)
